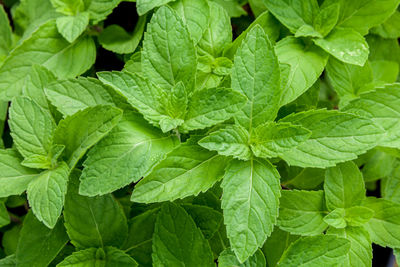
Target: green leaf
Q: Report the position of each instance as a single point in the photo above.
(293, 14)
(14, 178)
(32, 129)
(177, 240)
(73, 95)
(187, 170)
(382, 106)
(104, 224)
(46, 194)
(228, 259)
(144, 6)
(5, 33)
(302, 212)
(336, 218)
(306, 65)
(71, 27)
(218, 33)
(336, 137)
(358, 215)
(276, 245)
(385, 71)
(68, 7)
(320, 250)
(195, 14)
(230, 141)
(390, 186)
(307, 31)
(55, 55)
(39, 244)
(250, 201)
(211, 106)
(9, 261)
(129, 152)
(384, 227)
(273, 139)
(88, 127)
(139, 241)
(107, 257)
(347, 45)
(361, 15)
(256, 74)
(100, 9)
(390, 28)
(4, 216)
(327, 18)
(164, 60)
(360, 253)
(116, 39)
(344, 186)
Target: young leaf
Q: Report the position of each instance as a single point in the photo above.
(384, 227)
(230, 141)
(358, 215)
(327, 18)
(88, 127)
(382, 106)
(68, 7)
(273, 139)
(55, 55)
(71, 27)
(211, 106)
(108, 256)
(344, 186)
(14, 178)
(178, 241)
(250, 215)
(144, 6)
(104, 225)
(320, 250)
(39, 244)
(336, 218)
(72, 95)
(360, 253)
(128, 153)
(187, 170)
(306, 65)
(256, 74)
(164, 60)
(347, 45)
(228, 259)
(46, 194)
(336, 137)
(32, 129)
(302, 212)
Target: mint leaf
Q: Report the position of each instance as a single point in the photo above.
(178, 241)
(276, 245)
(327, 17)
(381, 107)
(273, 139)
(165, 61)
(104, 225)
(189, 164)
(39, 244)
(344, 186)
(256, 75)
(144, 6)
(358, 215)
(306, 65)
(227, 259)
(14, 178)
(249, 215)
(384, 227)
(230, 141)
(385, 71)
(100, 9)
(32, 129)
(390, 28)
(55, 55)
(71, 27)
(4, 216)
(211, 106)
(6, 33)
(360, 253)
(109, 256)
(347, 45)
(332, 139)
(327, 250)
(46, 194)
(129, 152)
(336, 218)
(68, 7)
(302, 212)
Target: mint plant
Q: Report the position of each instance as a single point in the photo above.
(237, 133)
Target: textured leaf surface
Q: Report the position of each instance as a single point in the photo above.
(71, 27)
(336, 137)
(302, 212)
(46, 194)
(144, 6)
(228, 259)
(128, 153)
(177, 241)
(250, 201)
(187, 170)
